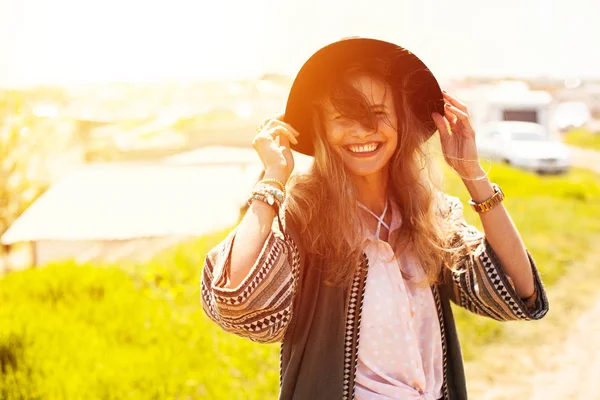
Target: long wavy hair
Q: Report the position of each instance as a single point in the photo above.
(323, 201)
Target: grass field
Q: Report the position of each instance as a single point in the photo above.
(138, 331)
(583, 138)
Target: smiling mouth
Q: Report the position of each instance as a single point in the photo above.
(364, 149)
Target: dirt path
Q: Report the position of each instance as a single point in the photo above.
(557, 358)
(573, 372)
(582, 158)
(570, 369)
(576, 368)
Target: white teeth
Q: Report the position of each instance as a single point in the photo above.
(363, 149)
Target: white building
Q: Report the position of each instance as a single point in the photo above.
(131, 211)
(113, 212)
(507, 101)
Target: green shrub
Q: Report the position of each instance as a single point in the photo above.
(583, 138)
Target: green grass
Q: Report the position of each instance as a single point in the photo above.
(83, 332)
(138, 331)
(583, 138)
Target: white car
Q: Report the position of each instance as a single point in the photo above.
(525, 145)
(571, 115)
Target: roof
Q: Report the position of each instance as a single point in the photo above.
(516, 125)
(216, 155)
(505, 95)
(228, 155)
(192, 193)
(518, 98)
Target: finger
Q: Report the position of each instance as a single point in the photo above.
(289, 136)
(461, 122)
(281, 131)
(456, 112)
(441, 124)
(263, 124)
(455, 102)
(289, 131)
(266, 124)
(276, 122)
(450, 116)
(278, 116)
(284, 141)
(286, 126)
(267, 121)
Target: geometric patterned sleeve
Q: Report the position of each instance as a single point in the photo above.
(478, 282)
(260, 307)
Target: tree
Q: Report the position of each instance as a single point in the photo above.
(20, 150)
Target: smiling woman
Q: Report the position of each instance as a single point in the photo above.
(364, 245)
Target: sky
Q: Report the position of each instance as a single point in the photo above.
(84, 41)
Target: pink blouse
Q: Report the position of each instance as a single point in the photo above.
(400, 350)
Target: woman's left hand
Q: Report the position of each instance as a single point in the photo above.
(458, 142)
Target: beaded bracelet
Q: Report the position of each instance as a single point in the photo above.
(275, 181)
(268, 199)
(268, 189)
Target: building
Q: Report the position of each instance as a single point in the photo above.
(112, 212)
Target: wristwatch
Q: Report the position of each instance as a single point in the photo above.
(490, 203)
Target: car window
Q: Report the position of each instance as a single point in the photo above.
(489, 135)
(529, 136)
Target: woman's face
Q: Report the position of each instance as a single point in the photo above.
(364, 151)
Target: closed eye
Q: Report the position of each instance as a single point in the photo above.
(377, 111)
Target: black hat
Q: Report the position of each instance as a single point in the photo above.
(321, 67)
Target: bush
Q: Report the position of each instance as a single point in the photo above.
(583, 138)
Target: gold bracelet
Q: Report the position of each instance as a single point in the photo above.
(276, 181)
(490, 203)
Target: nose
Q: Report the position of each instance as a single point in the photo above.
(361, 131)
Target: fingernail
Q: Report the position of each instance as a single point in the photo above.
(447, 105)
(444, 91)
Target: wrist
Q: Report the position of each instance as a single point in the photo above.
(479, 189)
(472, 172)
(275, 173)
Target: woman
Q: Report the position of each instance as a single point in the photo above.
(356, 277)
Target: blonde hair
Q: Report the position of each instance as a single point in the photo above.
(323, 202)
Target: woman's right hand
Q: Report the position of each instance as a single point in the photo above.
(272, 145)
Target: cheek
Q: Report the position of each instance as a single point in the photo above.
(389, 130)
(393, 137)
(334, 137)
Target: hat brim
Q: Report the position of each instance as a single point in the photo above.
(425, 95)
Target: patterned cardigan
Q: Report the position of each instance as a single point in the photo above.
(284, 299)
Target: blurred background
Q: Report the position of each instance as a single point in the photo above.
(125, 155)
